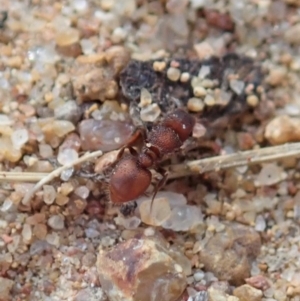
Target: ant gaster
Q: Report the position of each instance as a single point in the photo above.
(131, 176)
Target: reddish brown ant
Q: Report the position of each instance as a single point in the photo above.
(131, 176)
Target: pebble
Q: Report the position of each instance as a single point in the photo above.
(68, 111)
(283, 129)
(56, 222)
(45, 151)
(105, 135)
(237, 86)
(199, 91)
(19, 138)
(173, 74)
(67, 156)
(252, 100)
(49, 194)
(150, 113)
(93, 82)
(291, 35)
(270, 174)
(229, 253)
(159, 66)
(140, 269)
(195, 104)
(145, 99)
(5, 288)
(277, 75)
(248, 293)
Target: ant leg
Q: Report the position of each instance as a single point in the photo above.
(137, 135)
(159, 184)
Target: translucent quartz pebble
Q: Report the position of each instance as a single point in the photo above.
(184, 218)
(270, 174)
(105, 135)
(140, 269)
(175, 199)
(19, 138)
(68, 111)
(156, 214)
(66, 156)
(4, 120)
(49, 194)
(131, 222)
(67, 174)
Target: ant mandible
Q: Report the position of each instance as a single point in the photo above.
(131, 176)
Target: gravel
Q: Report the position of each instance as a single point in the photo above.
(71, 71)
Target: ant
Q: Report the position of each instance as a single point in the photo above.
(131, 176)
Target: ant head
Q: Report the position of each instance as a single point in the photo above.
(128, 180)
(181, 122)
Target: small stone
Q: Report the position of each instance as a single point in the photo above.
(185, 77)
(26, 233)
(159, 66)
(209, 100)
(139, 269)
(173, 74)
(5, 288)
(199, 91)
(277, 76)
(252, 100)
(82, 191)
(102, 134)
(283, 129)
(56, 222)
(13, 62)
(292, 33)
(49, 194)
(68, 111)
(270, 174)
(260, 282)
(229, 253)
(150, 113)
(237, 86)
(204, 50)
(67, 156)
(248, 293)
(160, 211)
(146, 98)
(195, 104)
(215, 294)
(19, 138)
(91, 82)
(46, 151)
(67, 37)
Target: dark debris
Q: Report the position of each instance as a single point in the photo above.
(169, 94)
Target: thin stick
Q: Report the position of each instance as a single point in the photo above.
(256, 156)
(55, 173)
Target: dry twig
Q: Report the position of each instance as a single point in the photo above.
(55, 173)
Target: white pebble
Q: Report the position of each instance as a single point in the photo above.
(49, 194)
(260, 223)
(56, 222)
(5, 120)
(19, 138)
(26, 232)
(150, 113)
(269, 175)
(67, 156)
(45, 150)
(82, 191)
